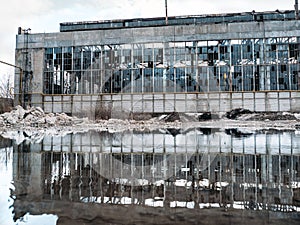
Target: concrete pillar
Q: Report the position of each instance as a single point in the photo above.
(35, 188)
(261, 65)
(166, 62)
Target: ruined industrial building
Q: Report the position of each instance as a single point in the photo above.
(217, 142)
(206, 63)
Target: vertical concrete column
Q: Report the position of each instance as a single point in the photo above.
(267, 67)
(102, 69)
(270, 163)
(264, 174)
(289, 69)
(196, 65)
(261, 65)
(254, 63)
(166, 63)
(268, 78)
(132, 70)
(18, 78)
(242, 67)
(143, 72)
(35, 187)
(37, 69)
(277, 69)
(231, 71)
(74, 184)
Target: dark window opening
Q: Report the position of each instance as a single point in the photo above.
(273, 47)
(248, 48)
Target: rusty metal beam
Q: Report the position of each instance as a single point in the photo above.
(9, 64)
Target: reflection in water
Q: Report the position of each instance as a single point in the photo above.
(194, 170)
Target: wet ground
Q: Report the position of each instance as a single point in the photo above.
(165, 176)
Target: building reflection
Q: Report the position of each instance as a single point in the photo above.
(193, 169)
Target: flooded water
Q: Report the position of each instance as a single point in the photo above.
(197, 176)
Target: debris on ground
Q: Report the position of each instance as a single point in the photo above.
(237, 133)
(35, 118)
(247, 115)
(208, 116)
(273, 116)
(174, 116)
(205, 116)
(236, 113)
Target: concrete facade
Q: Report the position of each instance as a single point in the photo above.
(167, 103)
(269, 81)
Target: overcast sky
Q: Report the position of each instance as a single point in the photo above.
(45, 15)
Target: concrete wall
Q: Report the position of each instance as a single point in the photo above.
(156, 103)
(164, 34)
(122, 105)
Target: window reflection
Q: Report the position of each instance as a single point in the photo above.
(196, 169)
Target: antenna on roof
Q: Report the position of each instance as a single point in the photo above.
(296, 10)
(166, 1)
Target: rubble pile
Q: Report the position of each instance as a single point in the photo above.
(273, 116)
(34, 117)
(236, 113)
(117, 125)
(247, 115)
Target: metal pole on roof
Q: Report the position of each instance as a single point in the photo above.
(296, 10)
(166, 3)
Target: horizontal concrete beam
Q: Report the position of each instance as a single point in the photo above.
(166, 103)
(193, 32)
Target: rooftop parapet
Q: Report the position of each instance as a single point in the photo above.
(179, 20)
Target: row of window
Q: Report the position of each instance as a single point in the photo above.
(204, 66)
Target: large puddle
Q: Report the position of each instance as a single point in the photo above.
(198, 176)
